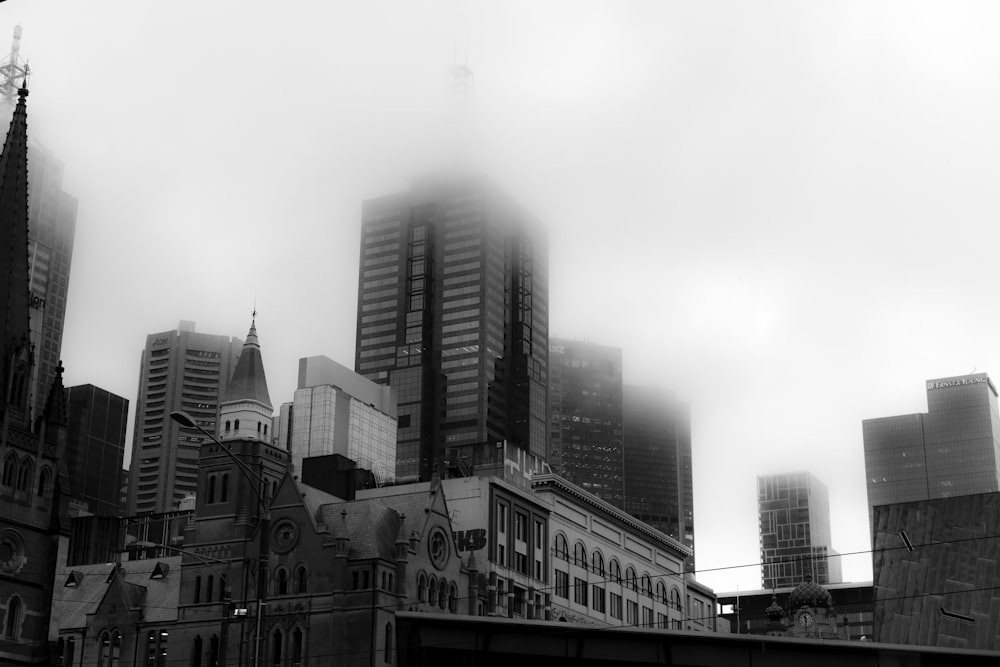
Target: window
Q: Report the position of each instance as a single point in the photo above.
(387, 648)
(562, 584)
(276, 647)
(443, 595)
(647, 617)
(647, 586)
(12, 623)
(580, 555)
(301, 579)
(224, 493)
(432, 591)
(453, 599)
(597, 563)
(580, 591)
(616, 606)
(630, 580)
(109, 649)
(282, 581)
(25, 474)
(616, 571)
(196, 649)
(661, 593)
(597, 597)
(675, 598)
(520, 526)
(9, 469)
(197, 589)
(562, 547)
(43, 482)
(632, 613)
(211, 489)
(208, 588)
(297, 644)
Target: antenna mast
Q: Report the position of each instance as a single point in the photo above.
(12, 71)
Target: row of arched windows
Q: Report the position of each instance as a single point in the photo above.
(20, 475)
(209, 590)
(109, 648)
(296, 585)
(217, 485)
(613, 572)
(441, 592)
(287, 648)
(198, 653)
(233, 426)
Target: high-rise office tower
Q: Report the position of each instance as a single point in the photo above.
(951, 450)
(659, 485)
(453, 314)
(96, 448)
(794, 513)
(179, 370)
(585, 403)
(337, 411)
(51, 230)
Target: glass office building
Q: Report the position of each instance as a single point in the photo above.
(453, 314)
(95, 448)
(659, 486)
(585, 397)
(951, 450)
(794, 513)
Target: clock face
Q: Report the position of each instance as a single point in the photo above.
(284, 536)
(805, 619)
(437, 548)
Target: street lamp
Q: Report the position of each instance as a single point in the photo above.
(259, 486)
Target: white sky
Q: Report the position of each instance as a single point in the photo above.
(785, 211)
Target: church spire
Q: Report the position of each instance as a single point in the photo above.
(14, 328)
(246, 410)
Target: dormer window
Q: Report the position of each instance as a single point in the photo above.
(74, 579)
(160, 571)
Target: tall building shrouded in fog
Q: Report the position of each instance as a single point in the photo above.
(794, 513)
(96, 448)
(659, 486)
(453, 314)
(585, 398)
(179, 370)
(951, 450)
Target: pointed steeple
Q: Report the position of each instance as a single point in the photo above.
(55, 411)
(246, 410)
(14, 286)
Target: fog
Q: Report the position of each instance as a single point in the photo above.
(783, 211)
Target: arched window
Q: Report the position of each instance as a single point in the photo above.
(616, 571)
(432, 591)
(675, 598)
(647, 585)
(443, 596)
(597, 563)
(274, 488)
(43, 482)
(453, 599)
(387, 652)
(12, 624)
(69, 652)
(301, 579)
(224, 492)
(580, 555)
(197, 589)
(209, 588)
(213, 651)
(229, 426)
(24, 474)
(196, 652)
(211, 488)
(9, 469)
(265, 430)
(236, 425)
(282, 581)
(276, 647)
(422, 588)
(562, 547)
(297, 641)
(661, 592)
(630, 579)
(259, 425)
(103, 649)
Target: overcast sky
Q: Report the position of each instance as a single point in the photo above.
(784, 211)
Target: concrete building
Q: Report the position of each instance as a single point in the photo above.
(935, 564)
(179, 370)
(585, 428)
(794, 513)
(32, 473)
(951, 450)
(337, 411)
(659, 480)
(96, 448)
(453, 314)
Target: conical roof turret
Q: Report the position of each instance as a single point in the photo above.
(249, 382)
(56, 412)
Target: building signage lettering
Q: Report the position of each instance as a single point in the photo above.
(35, 301)
(558, 349)
(957, 383)
(162, 340)
(470, 540)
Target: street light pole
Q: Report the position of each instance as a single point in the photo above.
(259, 486)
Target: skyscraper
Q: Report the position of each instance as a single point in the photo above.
(794, 513)
(659, 488)
(179, 370)
(585, 397)
(337, 411)
(951, 450)
(453, 314)
(96, 447)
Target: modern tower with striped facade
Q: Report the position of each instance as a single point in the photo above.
(453, 314)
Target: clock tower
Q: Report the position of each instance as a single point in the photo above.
(810, 612)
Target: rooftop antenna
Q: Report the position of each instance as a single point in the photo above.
(13, 74)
